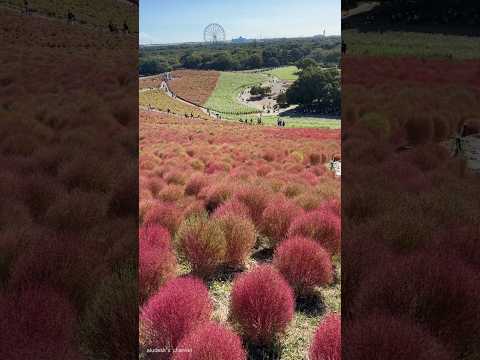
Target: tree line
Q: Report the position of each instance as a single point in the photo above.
(317, 90)
(230, 57)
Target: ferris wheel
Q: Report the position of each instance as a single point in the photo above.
(214, 33)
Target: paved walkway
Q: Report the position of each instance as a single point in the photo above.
(471, 151)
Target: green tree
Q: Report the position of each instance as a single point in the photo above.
(303, 64)
(316, 89)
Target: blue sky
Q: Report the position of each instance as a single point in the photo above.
(170, 21)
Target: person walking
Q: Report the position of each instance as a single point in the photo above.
(459, 140)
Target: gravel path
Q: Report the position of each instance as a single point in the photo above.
(471, 152)
(278, 86)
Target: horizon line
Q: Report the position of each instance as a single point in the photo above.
(229, 41)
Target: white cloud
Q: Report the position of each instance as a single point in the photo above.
(145, 38)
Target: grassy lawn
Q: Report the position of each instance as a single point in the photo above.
(288, 73)
(229, 86)
(309, 122)
(411, 44)
(291, 121)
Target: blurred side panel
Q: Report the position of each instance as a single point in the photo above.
(410, 186)
(68, 179)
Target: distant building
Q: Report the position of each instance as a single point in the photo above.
(241, 40)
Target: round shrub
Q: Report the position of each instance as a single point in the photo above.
(419, 130)
(36, 322)
(232, 206)
(277, 218)
(309, 201)
(319, 225)
(196, 184)
(175, 177)
(304, 264)
(176, 309)
(256, 199)
(365, 256)
(157, 261)
(109, 324)
(195, 208)
(240, 238)
(61, 263)
(154, 184)
(202, 242)
(426, 287)
(171, 193)
(76, 211)
(211, 341)
(376, 123)
(164, 214)
(217, 195)
(380, 336)
(314, 158)
(326, 342)
(332, 205)
(262, 303)
(263, 170)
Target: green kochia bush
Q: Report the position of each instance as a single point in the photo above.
(112, 313)
(202, 242)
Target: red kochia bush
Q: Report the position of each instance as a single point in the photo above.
(216, 195)
(262, 303)
(321, 226)
(36, 323)
(232, 207)
(166, 215)
(380, 336)
(195, 184)
(177, 308)
(277, 217)
(256, 199)
(211, 341)
(156, 261)
(332, 205)
(304, 264)
(327, 343)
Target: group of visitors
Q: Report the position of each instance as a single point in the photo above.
(247, 121)
(71, 18)
(280, 123)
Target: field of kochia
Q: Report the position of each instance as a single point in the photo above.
(226, 212)
(159, 100)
